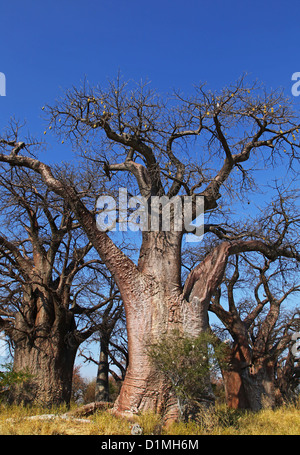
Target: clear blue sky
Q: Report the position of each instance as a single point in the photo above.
(46, 46)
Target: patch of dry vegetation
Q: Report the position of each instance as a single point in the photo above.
(221, 421)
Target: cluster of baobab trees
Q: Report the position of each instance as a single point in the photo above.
(55, 293)
(208, 144)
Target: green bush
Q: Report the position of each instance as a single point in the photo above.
(187, 363)
(9, 378)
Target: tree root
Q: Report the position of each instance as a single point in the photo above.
(90, 408)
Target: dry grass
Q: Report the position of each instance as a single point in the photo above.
(282, 421)
(222, 421)
(14, 421)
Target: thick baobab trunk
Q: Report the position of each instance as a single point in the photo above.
(50, 367)
(44, 348)
(160, 307)
(152, 313)
(259, 384)
(235, 393)
(249, 384)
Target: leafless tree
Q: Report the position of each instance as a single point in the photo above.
(178, 145)
(108, 321)
(260, 331)
(251, 303)
(45, 265)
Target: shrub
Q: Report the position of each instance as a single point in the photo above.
(10, 378)
(187, 363)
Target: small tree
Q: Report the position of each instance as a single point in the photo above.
(79, 385)
(187, 364)
(109, 321)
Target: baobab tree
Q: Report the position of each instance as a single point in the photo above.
(175, 146)
(260, 331)
(252, 302)
(44, 260)
(252, 305)
(288, 376)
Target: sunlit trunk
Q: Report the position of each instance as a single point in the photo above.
(153, 313)
(235, 393)
(159, 309)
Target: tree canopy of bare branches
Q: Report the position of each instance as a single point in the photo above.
(197, 145)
